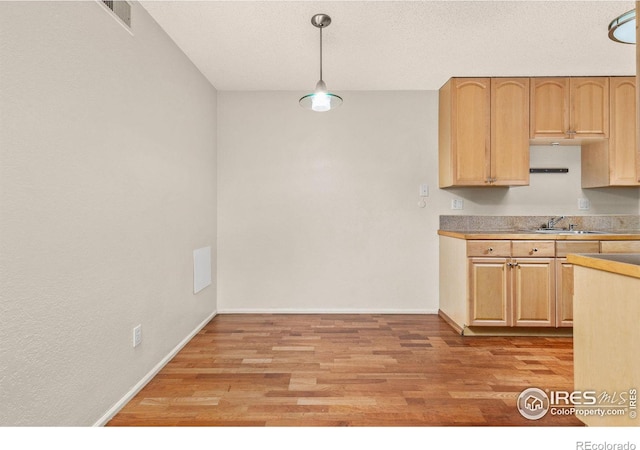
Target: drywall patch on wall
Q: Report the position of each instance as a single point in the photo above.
(201, 268)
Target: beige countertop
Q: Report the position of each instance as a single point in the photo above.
(516, 234)
(620, 263)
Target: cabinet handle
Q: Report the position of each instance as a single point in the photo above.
(490, 250)
(534, 250)
(515, 265)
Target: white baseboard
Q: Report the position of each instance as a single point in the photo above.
(152, 373)
(325, 311)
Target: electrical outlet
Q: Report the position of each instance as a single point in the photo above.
(457, 203)
(584, 203)
(137, 335)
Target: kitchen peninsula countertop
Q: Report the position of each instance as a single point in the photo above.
(606, 335)
(624, 235)
(620, 263)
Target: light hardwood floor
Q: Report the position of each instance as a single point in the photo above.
(349, 370)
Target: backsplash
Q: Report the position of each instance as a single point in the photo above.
(512, 223)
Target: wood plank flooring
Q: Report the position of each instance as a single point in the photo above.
(349, 370)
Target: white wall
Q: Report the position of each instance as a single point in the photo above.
(107, 172)
(318, 212)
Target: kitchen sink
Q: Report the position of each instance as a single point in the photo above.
(581, 232)
(568, 232)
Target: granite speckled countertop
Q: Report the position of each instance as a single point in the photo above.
(609, 227)
(623, 235)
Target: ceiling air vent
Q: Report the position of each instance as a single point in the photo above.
(121, 9)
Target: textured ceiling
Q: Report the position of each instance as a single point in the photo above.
(395, 45)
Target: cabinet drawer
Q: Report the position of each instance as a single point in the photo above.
(563, 248)
(488, 248)
(533, 248)
(620, 246)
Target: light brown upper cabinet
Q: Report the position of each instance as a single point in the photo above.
(509, 136)
(464, 130)
(483, 138)
(569, 108)
(549, 108)
(589, 112)
(614, 162)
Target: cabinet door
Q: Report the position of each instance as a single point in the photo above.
(549, 108)
(564, 293)
(509, 131)
(488, 292)
(614, 162)
(471, 130)
(623, 153)
(534, 292)
(589, 111)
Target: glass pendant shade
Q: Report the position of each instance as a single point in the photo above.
(320, 100)
(623, 28)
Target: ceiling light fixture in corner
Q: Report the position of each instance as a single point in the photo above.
(623, 28)
(320, 100)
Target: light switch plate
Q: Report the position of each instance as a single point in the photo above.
(424, 190)
(584, 203)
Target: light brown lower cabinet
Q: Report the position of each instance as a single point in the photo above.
(564, 293)
(512, 283)
(509, 292)
(564, 278)
(564, 271)
(534, 296)
(489, 296)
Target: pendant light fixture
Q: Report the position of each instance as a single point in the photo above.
(320, 100)
(623, 28)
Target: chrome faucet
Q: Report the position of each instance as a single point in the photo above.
(552, 222)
